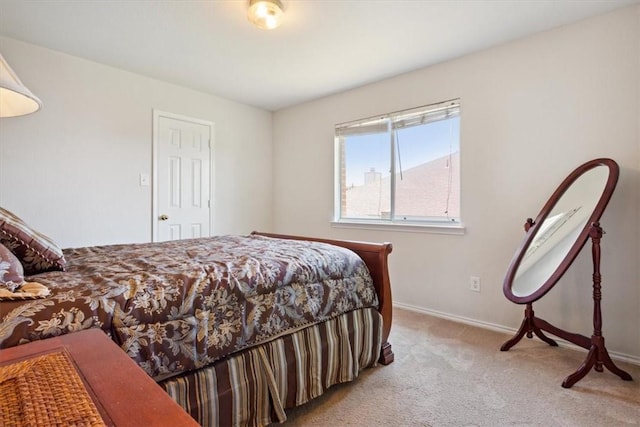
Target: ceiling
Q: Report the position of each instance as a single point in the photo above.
(323, 46)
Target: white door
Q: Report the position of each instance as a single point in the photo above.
(182, 168)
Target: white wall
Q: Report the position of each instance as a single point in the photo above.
(71, 170)
(532, 111)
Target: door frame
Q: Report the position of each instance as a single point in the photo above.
(157, 114)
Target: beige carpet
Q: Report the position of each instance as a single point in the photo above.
(451, 374)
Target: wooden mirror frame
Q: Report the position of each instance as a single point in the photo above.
(532, 227)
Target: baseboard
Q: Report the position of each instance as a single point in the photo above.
(634, 360)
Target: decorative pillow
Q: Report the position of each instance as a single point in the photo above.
(36, 252)
(11, 272)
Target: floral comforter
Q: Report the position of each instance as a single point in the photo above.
(180, 305)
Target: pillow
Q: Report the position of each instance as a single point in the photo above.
(36, 252)
(11, 272)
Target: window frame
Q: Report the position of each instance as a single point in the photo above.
(439, 225)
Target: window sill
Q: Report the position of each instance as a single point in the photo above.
(457, 229)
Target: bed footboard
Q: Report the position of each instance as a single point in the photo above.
(375, 257)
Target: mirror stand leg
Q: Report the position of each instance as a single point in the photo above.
(598, 354)
(604, 359)
(597, 357)
(528, 327)
(517, 337)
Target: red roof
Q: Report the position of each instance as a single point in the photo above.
(430, 189)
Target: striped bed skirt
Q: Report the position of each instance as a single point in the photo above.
(254, 387)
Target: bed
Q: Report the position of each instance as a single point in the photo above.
(235, 328)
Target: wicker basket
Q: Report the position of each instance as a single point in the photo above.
(45, 391)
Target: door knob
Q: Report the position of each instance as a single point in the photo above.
(164, 217)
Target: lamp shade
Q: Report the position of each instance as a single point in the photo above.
(265, 14)
(15, 98)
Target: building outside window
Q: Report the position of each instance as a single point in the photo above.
(400, 168)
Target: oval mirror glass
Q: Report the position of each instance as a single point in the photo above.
(560, 230)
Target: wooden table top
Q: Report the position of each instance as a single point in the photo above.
(123, 393)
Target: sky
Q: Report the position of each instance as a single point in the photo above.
(417, 145)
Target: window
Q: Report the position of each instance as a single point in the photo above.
(400, 168)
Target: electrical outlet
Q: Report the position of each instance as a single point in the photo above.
(474, 284)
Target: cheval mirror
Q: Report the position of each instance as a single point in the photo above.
(564, 225)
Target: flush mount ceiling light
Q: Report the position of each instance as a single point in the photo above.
(265, 14)
(15, 98)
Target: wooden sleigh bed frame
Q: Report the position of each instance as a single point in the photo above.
(250, 386)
